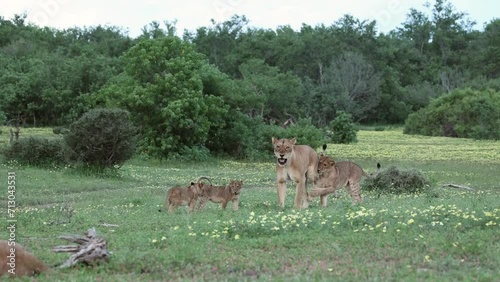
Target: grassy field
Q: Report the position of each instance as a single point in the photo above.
(447, 235)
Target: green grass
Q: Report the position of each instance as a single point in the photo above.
(447, 235)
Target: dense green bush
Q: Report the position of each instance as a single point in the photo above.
(102, 138)
(341, 130)
(60, 130)
(463, 113)
(306, 133)
(36, 151)
(3, 118)
(192, 154)
(250, 138)
(396, 181)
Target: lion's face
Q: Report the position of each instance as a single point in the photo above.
(325, 164)
(235, 186)
(283, 148)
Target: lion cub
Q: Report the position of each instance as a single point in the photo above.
(334, 175)
(178, 196)
(17, 261)
(222, 194)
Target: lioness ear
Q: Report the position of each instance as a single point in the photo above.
(332, 162)
(293, 140)
(274, 140)
(192, 183)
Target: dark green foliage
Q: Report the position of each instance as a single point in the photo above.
(342, 129)
(305, 132)
(192, 154)
(352, 85)
(60, 130)
(36, 151)
(3, 118)
(163, 90)
(228, 80)
(464, 113)
(241, 138)
(397, 181)
(250, 138)
(102, 138)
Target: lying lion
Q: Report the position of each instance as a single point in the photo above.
(334, 175)
(222, 194)
(17, 261)
(178, 196)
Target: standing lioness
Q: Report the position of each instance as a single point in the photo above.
(297, 162)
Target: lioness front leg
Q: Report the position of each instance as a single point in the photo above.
(235, 204)
(324, 200)
(281, 179)
(301, 194)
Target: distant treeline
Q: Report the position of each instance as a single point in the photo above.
(51, 77)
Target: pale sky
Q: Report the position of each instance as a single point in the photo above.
(191, 14)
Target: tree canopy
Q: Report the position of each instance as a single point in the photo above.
(192, 91)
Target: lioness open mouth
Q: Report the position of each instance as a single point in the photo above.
(282, 161)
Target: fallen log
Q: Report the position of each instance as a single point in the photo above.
(458, 186)
(89, 250)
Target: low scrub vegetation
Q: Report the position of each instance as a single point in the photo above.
(398, 181)
(464, 113)
(102, 138)
(262, 241)
(36, 151)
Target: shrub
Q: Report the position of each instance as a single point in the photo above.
(342, 129)
(36, 151)
(60, 130)
(306, 133)
(192, 154)
(250, 138)
(464, 113)
(396, 181)
(102, 138)
(3, 118)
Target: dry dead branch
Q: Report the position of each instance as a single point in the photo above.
(109, 225)
(90, 249)
(458, 186)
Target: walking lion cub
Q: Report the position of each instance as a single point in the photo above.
(222, 194)
(334, 175)
(178, 196)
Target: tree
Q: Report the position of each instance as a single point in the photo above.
(352, 85)
(162, 87)
(417, 28)
(272, 94)
(492, 52)
(449, 33)
(219, 43)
